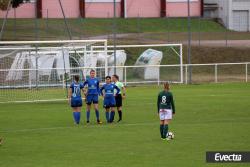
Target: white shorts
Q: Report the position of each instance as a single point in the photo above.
(165, 114)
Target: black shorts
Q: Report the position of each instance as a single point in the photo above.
(118, 100)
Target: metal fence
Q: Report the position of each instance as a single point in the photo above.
(54, 89)
(201, 73)
(136, 30)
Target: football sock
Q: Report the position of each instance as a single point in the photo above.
(112, 116)
(161, 130)
(120, 114)
(97, 115)
(77, 116)
(88, 115)
(107, 116)
(165, 130)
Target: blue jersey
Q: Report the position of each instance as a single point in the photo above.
(109, 90)
(93, 86)
(76, 90)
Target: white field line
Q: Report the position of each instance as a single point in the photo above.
(230, 121)
(80, 126)
(57, 100)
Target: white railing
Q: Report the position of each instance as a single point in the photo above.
(201, 73)
(54, 90)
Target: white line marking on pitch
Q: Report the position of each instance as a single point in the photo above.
(80, 126)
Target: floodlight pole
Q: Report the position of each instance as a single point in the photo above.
(189, 43)
(5, 19)
(114, 35)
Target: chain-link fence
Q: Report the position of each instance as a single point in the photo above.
(137, 30)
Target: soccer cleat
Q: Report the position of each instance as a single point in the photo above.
(119, 120)
(99, 122)
(87, 122)
(165, 139)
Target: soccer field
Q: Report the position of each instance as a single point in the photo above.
(212, 117)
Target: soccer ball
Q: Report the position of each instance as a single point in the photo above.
(170, 135)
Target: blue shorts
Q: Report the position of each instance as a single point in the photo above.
(76, 102)
(109, 102)
(92, 98)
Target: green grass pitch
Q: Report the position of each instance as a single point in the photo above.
(213, 117)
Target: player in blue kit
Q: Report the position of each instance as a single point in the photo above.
(92, 95)
(109, 98)
(75, 98)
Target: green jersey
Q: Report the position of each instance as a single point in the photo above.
(165, 101)
(119, 85)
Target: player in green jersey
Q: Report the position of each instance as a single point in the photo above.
(120, 96)
(165, 109)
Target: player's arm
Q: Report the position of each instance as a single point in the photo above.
(158, 103)
(82, 88)
(98, 88)
(172, 103)
(123, 91)
(101, 90)
(85, 89)
(69, 94)
(117, 90)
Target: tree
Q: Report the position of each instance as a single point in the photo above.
(15, 3)
(4, 4)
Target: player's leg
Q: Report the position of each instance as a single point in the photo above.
(168, 118)
(97, 114)
(165, 127)
(76, 105)
(107, 108)
(107, 114)
(76, 114)
(118, 101)
(88, 108)
(161, 129)
(112, 114)
(112, 104)
(162, 118)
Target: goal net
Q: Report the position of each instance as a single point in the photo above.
(147, 64)
(42, 70)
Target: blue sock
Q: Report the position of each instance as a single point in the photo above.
(112, 116)
(107, 116)
(88, 115)
(77, 116)
(97, 115)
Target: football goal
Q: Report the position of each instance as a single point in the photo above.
(42, 70)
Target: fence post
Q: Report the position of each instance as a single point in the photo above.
(159, 76)
(186, 71)
(138, 28)
(15, 29)
(200, 31)
(246, 73)
(125, 76)
(47, 21)
(216, 73)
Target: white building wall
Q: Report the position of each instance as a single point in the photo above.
(226, 9)
(240, 5)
